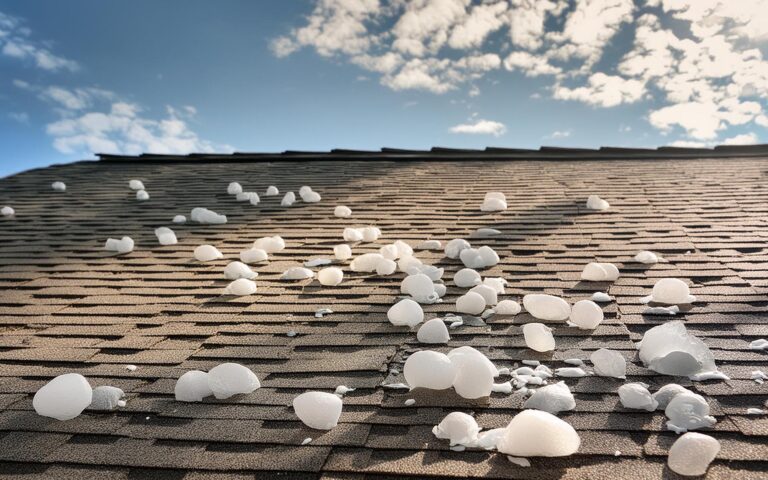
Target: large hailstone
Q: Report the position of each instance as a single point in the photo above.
(253, 255)
(136, 185)
(59, 186)
(547, 307)
(474, 373)
(458, 354)
(203, 215)
(646, 257)
(142, 196)
(192, 387)
(471, 303)
(692, 453)
(534, 433)
(106, 399)
(553, 399)
(482, 257)
(420, 287)
(180, 219)
(318, 410)
(494, 202)
(498, 284)
(454, 247)
(428, 369)
(63, 398)
(165, 236)
(124, 245)
(596, 203)
(637, 396)
(206, 253)
(342, 211)
(669, 349)
(330, 277)
(433, 331)
(586, 314)
(240, 287)
(665, 394)
(8, 211)
(458, 428)
(272, 244)
(688, 411)
(600, 272)
(430, 245)
(297, 273)
(368, 262)
(609, 363)
(671, 291)
(288, 199)
(271, 191)
(235, 270)
(466, 278)
(538, 337)
(234, 188)
(406, 312)
(342, 252)
(488, 293)
(507, 307)
(230, 379)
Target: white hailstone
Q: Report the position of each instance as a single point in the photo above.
(342, 252)
(230, 379)
(600, 272)
(494, 202)
(671, 291)
(688, 411)
(486, 232)
(474, 373)
(179, 219)
(601, 297)
(310, 197)
(342, 211)
(440, 289)
(457, 355)
(534, 433)
(574, 361)
(433, 331)
(700, 377)
(320, 312)
(454, 247)
(496, 283)
(507, 307)
(206, 253)
(609, 363)
(8, 211)
(366, 262)
(406, 312)
(519, 461)
(192, 387)
(371, 234)
(547, 307)
(386, 267)
(637, 396)
(669, 349)
(553, 399)
(472, 303)
(755, 411)
(241, 287)
(692, 453)
(458, 428)
(288, 199)
(253, 197)
(342, 390)
(253, 255)
(271, 191)
(59, 186)
(203, 215)
(235, 270)
(165, 236)
(420, 287)
(330, 277)
(297, 273)
(586, 314)
(488, 293)
(570, 372)
(142, 195)
(124, 245)
(403, 249)
(106, 398)
(596, 203)
(673, 310)
(430, 245)
(665, 394)
(429, 369)
(646, 257)
(759, 344)
(317, 262)
(482, 257)
(131, 368)
(305, 190)
(389, 251)
(318, 410)
(270, 244)
(136, 185)
(538, 337)
(63, 398)
(505, 388)
(352, 234)
(234, 188)
(759, 376)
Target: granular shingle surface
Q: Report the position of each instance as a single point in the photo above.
(69, 306)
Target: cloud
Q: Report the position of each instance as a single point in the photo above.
(20, 117)
(15, 43)
(603, 90)
(743, 139)
(481, 127)
(559, 134)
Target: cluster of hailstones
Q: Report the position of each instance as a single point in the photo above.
(536, 431)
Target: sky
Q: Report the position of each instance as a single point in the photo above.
(175, 76)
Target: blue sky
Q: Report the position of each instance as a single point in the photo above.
(174, 76)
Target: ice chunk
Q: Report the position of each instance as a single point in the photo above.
(270, 244)
(430, 245)
(420, 287)
(600, 272)
(409, 402)
(596, 203)
(403, 249)
(472, 303)
(342, 390)
(253, 255)
(63, 398)
(142, 195)
(553, 399)
(494, 202)
(59, 186)
(371, 234)
(106, 398)
(386, 267)
(124, 245)
(8, 211)
(206, 253)
(759, 376)
(538, 337)
(203, 215)
(429, 369)
(180, 219)
(165, 236)
(234, 188)
(306, 441)
(230, 379)
(665, 394)
(241, 287)
(692, 453)
(474, 373)
(406, 312)
(330, 277)
(454, 247)
(235, 270)
(252, 197)
(505, 387)
(498, 284)
(486, 232)
(519, 461)
(700, 377)
(671, 291)
(646, 257)
(570, 372)
(131, 368)
(673, 310)
(458, 428)
(271, 191)
(586, 314)
(192, 387)
(576, 362)
(320, 312)
(297, 273)
(342, 211)
(547, 307)
(352, 235)
(389, 251)
(609, 363)
(317, 262)
(342, 252)
(136, 185)
(482, 257)
(366, 262)
(534, 433)
(688, 411)
(318, 410)
(755, 411)
(669, 349)
(637, 396)
(507, 307)
(488, 293)
(308, 195)
(601, 297)
(759, 344)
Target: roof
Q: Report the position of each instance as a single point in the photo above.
(69, 306)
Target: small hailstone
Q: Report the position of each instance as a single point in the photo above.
(63, 398)
(670, 350)
(406, 312)
(534, 433)
(570, 372)
(165, 236)
(586, 314)
(600, 272)
(386, 267)
(271, 191)
(306, 441)
(596, 203)
(297, 273)
(553, 399)
(472, 303)
(352, 235)
(430, 245)
(519, 461)
(673, 310)
(702, 376)
(609, 363)
(389, 251)
(433, 331)
(482, 257)
(429, 369)
(136, 185)
(241, 287)
(420, 287)
(487, 313)
(288, 199)
(319, 313)
(317, 262)
(474, 373)
(230, 379)
(396, 386)
(688, 411)
(206, 253)
(454, 247)
(489, 294)
(759, 376)
(203, 215)
(235, 270)
(646, 257)
(409, 402)
(342, 252)
(637, 396)
(270, 244)
(671, 291)
(692, 453)
(486, 232)
(505, 387)
(252, 197)
(124, 245)
(755, 411)
(458, 428)
(318, 410)
(142, 195)
(8, 211)
(343, 390)
(234, 188)
(291, 333)
(538, 337)
(342, 211)
(456, 323)
(665, 394)
(253, 255)
(507, 307)
(371, 234)
(601, 297)
(577, 362)
(547, 307)
(533, 363)
(131, 368)
(179, 219)
(106, 398)
(617, 453)
(59, 186)
(494, 202)
(367, 262)
(330, 277)
(497, 283)
(759, 344)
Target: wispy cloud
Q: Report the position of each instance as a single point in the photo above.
(15, 42)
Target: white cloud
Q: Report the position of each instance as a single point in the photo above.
(15, 43)
(559, 134)
(700, 120)
(531, 65)
(481, 127)
(743, 139)
(603, 91)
